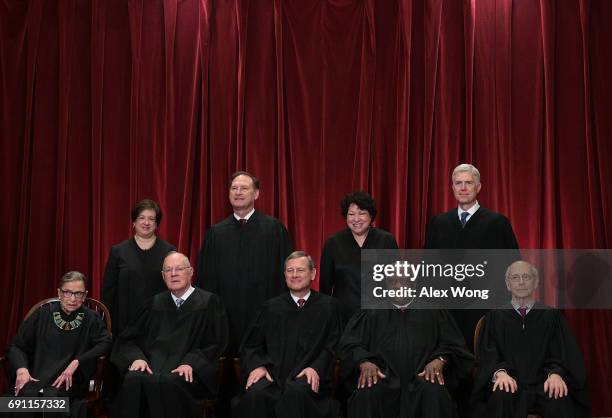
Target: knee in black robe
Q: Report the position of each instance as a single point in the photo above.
(401, 344)
(166, 338)
(46, 350)
(529, 349)
(419, 399)
(286, 339)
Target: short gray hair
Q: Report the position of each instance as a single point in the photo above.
(300, 254)
(532, 270)
(73, 276)
(462, 168)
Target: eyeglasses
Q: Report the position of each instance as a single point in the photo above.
(69, 293)
(177, 269)
(515, 278)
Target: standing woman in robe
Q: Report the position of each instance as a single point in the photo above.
(56, 348)
(341, 258)
(133, 270)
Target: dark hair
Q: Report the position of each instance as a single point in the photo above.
(145, 204)
(72, 276)
(244, 173)
(300, 254)
(363, 201)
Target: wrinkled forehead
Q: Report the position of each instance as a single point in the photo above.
(519, 268)
(297, 262)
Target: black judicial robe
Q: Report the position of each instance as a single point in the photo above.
(340, 270)
(484, 230)
(131, 277)
(401, 344)
(287, 339)
(244, 265)
(46, 350)
(529, 350)
(195, 334)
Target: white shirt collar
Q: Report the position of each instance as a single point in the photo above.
(528, 305)
(471, 210)
(248, 215)
(185, 295)
(295, 298)
(403, 306)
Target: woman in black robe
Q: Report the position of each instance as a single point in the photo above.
(56, 348)
(341, 257)
(133, 270)
(415, 354)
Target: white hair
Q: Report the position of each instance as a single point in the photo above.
(462, 168)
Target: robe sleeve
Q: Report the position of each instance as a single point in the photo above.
(564, 356)
(203, 359)
(127, 347)
(253, 353)
(489, 358)
(354, 346)
(331, 335)
(326, 276)
(431, 235)
(110, 282)
(23, 345)
(206, 273)
(100, 343)
(285, 248)
(572, 368)
(451, 346)
(390, 242)
(509, 238)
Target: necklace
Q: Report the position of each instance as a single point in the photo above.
(65, 325)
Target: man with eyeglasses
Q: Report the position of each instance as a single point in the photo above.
(528, 357)
(287, 355)
(170, 353)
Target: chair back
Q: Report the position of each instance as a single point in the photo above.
(91, 303)
(477, 334)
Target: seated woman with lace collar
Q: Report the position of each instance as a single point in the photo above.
(55, 350)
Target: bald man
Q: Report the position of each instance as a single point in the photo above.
(170, 353)
(529, 360)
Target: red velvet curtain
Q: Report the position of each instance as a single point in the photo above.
(104, 102)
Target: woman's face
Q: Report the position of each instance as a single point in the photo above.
(72, 295)
(145, 224)
(358, 220)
